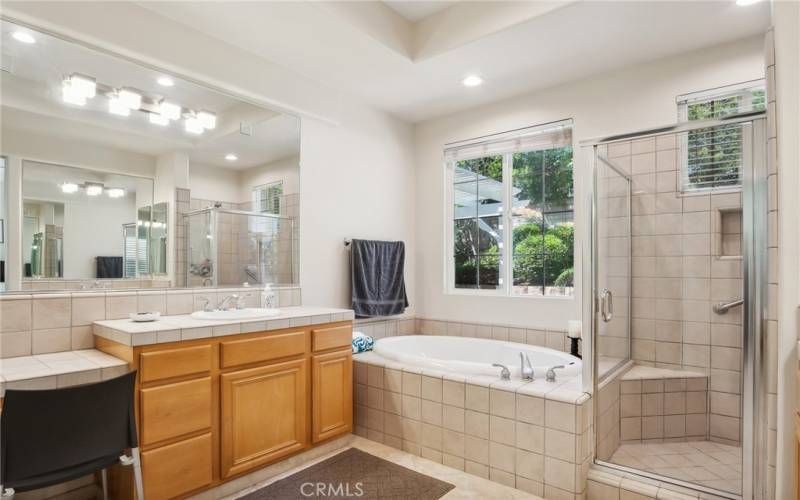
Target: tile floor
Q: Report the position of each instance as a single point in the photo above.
(710, 464)
(467, 486)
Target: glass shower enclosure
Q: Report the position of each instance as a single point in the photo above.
(227, 247)
(678, 272)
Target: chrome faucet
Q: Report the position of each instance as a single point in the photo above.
(206, 303)
(223, 304)
(505, 373)
(551, 373)
(526, 369)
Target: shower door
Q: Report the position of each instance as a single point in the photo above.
(612, 275)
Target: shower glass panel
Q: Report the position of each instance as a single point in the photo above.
(613, 275)
(232, 247)
(676, 358)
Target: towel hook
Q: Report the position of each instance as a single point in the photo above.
(347, 242)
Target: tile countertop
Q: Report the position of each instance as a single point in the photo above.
(60, 369)
(184, 327)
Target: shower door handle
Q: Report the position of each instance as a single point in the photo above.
(606, 305)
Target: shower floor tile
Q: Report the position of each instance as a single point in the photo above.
(706, 463)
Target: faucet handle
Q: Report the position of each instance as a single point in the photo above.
(551, 373)
(505, 373)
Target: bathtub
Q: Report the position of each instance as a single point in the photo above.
(472, 356)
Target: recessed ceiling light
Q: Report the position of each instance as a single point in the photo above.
(165, 81)
(231, 157)
(743, 3)
(472, 81)
(24, 37)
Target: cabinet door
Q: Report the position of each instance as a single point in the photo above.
(332, 394)
(264, 415)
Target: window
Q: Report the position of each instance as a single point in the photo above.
(712, 157)
(512, 191)
(267, 198)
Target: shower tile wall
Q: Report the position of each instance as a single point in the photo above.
(682, 265)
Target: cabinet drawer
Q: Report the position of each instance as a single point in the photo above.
(172, 410)
(332, 338)
(254, 350)
(176, 469)
(158, 365)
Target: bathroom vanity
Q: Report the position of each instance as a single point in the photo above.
(218, 399)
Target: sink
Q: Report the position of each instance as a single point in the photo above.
(234, 314)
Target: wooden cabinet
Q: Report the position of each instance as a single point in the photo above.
(210, 410)
(264, 414)
(332, 402)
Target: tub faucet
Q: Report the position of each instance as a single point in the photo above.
(551, 373)
(526, 369)
(505, 374)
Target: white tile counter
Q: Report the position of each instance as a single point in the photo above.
(60, 369)
(184, 327)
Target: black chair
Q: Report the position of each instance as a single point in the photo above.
(52, 436)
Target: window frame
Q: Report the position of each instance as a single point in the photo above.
(265, 188)
(682, 103)
(506, 288)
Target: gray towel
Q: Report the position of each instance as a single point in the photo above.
(376, 270)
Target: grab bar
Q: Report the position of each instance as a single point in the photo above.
(722, 307)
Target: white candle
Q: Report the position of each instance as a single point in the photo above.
(574, 329)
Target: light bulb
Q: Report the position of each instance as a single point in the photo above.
(71, 96)
(117, 107)
(193, 126)
(93, 189)
(169, 110)
(115, 192)
(130, 98)
(69, 188)
(207, 119)
(84, 85)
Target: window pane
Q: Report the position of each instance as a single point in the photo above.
(542, 218)
(489, 270)
(466, 271)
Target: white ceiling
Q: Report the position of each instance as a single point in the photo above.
(31, 102)
(514, 49)
(417, 10)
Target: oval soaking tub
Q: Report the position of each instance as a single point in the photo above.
(474, 356)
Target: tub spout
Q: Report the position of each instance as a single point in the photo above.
(526, 369)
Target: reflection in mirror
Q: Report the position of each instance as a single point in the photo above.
(112, 179)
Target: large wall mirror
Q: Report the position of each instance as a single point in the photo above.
(114, 175)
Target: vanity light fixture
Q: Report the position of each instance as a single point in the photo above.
(117, 107)
(169, 110)
(159, 119)
(69, 188)
(115, 192)
(165, 81)
(231, 157)
(24, 37)
(472, 81)
(193, 125)
(93, 188)
(130, 98)
(207, 119)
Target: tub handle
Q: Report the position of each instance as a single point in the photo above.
(551, 373)
(505, 374)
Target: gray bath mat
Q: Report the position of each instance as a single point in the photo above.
(354, 474)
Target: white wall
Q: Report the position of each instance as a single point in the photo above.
(214, 183)
(284, 169)
(621, 101)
